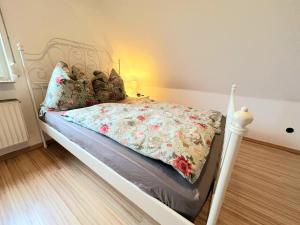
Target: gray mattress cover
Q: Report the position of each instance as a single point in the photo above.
(154, 177)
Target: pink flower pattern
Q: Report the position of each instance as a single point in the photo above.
(66, 92)
(181, 140)
(183, 164)
(141, 118)
(58, 79)
(193, 117)
(208, 142)
(201, 125)
(139, 134)
(104, 110)
(104, 128)
(179, 133)
(154, 126)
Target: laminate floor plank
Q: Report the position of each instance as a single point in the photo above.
(53, 187)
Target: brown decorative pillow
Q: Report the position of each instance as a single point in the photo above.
(77, 74)
(108, 89)
(65, 93)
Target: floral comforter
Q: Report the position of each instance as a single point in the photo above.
(175, 134)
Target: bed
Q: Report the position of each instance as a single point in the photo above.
(157, 179)
(152, 185)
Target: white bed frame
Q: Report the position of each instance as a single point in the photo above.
(37, 70)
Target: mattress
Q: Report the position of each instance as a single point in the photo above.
(154, 177)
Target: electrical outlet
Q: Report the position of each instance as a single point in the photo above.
(289, 130)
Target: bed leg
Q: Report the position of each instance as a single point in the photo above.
(43, 139)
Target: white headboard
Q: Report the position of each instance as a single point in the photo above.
(38, 66)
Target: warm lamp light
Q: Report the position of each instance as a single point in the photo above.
(132, 88)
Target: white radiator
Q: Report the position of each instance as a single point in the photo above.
(12, 125)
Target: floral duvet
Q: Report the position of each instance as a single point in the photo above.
(175, 134)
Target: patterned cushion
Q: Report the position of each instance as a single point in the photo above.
(78, 74)
(175, 134)
(108, 89)
(65, 93)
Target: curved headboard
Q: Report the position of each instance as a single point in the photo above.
(38, 66)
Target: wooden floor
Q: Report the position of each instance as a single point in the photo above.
(53, 187)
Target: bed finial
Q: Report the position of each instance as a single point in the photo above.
(20, 47)
(233, 88)
(241, 119)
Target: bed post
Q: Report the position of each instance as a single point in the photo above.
(28, 81)
(229, 116)
(236, 130)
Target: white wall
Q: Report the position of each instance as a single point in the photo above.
(208, 45)
(33, 23)
(198, 44)
(272, 117)
(192, 51)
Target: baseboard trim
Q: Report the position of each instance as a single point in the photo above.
(280, 147)
(23, 150)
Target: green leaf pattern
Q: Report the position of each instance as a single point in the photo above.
(175, 134)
